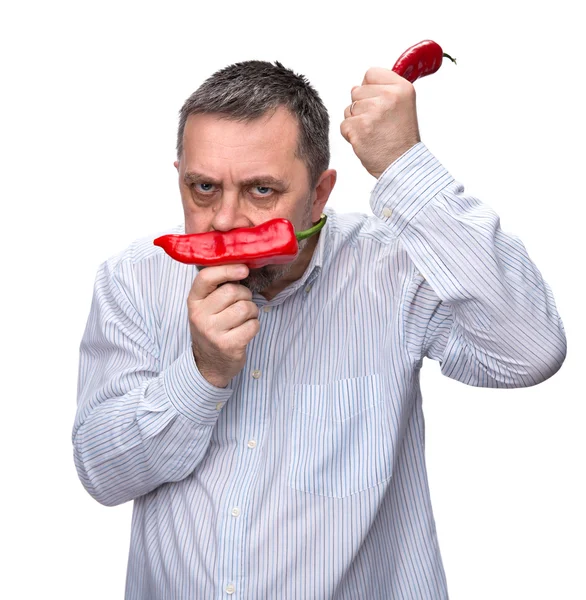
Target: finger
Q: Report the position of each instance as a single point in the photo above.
(378, 75)
(241, 335)
(210, 278)
(350, 109)
(370, 91)
(358, 107)
(236, 314)
(225, 296)
(347, 113)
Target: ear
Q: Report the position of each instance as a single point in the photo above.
(176, 163)
(322, 192)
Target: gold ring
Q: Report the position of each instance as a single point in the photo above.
(353, 103)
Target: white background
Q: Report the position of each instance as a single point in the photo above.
(91, 92)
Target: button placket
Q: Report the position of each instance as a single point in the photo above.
(252, 386)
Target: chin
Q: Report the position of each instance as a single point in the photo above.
(262, 278)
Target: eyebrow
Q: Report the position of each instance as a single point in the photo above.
(193, 177)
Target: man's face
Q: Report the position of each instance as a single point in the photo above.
(235, 174)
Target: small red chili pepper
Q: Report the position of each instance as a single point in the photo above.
(420, 60)
(272, 242)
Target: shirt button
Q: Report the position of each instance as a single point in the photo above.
(219, 405)
(256, 374)
(267, 308)
(230, 588)
(387, 212)
(236, 512)
(251, 444)
(308, 289)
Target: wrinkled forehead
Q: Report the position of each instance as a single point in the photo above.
(275, 132)
(224, 148)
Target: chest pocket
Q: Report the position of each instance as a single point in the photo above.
(341, 438)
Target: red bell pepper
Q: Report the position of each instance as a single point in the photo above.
(272, 242)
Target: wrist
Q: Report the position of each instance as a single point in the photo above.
(209, 374)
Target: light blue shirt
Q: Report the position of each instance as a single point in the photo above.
(305, 478)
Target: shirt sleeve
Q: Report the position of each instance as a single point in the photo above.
(136, 426)
(475, 301)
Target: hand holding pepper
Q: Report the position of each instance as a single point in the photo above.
(381, 123)
(222, 320)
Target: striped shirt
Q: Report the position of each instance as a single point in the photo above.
(305, 478)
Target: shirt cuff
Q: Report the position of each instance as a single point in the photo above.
(191, 394)
(407, 186)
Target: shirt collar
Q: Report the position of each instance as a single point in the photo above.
(317, 260)
(313, 270)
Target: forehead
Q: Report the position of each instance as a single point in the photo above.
(274, 134)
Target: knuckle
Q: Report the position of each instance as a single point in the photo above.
(380, 103)
(409, 89)
(253, 326)
(345, 129)
(230, 290)
(193, 311)
(387, 93)
(241, 308)
(370, 74)
(204, 275)
(389, 98)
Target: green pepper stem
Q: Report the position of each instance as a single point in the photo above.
(452, 59)
(301, 235)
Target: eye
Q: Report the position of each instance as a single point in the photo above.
(263, 190)
(205, 187)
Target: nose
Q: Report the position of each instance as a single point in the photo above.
(228, 213)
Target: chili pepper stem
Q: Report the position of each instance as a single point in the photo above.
(452, 59)
(301, 235)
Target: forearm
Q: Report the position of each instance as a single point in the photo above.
(495, 318)
(139, 423)
(126, 446)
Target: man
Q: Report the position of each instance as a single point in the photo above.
(268, 423)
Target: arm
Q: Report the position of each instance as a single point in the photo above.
(475, 300)
(136, 426)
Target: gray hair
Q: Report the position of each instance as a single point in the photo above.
(247, 90)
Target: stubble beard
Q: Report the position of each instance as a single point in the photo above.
(260, 279)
